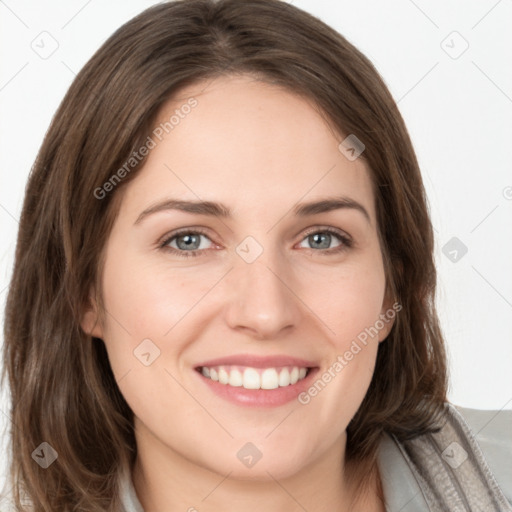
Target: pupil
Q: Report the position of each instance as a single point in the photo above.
(317, 238)
(187, 241)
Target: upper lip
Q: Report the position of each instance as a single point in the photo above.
(255, 361)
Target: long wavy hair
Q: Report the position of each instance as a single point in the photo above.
(63, 391)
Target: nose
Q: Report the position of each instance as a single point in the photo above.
(262, 301)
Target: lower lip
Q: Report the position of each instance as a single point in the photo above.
(259, 397)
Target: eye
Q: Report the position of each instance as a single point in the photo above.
(185, 243)
(323, 238)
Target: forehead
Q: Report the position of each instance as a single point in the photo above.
(237, 139)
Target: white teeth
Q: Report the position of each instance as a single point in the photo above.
(251, 379)
(255, 378)
(269, 379)
(223, 376)
(284, 377)
(235, 378)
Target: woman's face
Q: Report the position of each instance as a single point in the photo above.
(223, 285)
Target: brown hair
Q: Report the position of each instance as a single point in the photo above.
(63, 389)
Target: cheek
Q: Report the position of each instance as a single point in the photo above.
(148, 300)
(347, 300)
(347, 370)
(155, 302)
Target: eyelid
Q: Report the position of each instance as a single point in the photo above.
(162, 241)
(328, 229)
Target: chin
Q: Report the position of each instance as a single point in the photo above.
(277, 466)
(262, 473)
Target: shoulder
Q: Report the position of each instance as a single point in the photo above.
(492, 430)
(466, 460)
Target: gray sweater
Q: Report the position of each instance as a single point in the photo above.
(465, 467)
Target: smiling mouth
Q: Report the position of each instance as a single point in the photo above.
(255, 378)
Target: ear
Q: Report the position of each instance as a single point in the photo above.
(90, 321)
(390, 309)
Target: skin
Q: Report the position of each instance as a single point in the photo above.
(259, 150)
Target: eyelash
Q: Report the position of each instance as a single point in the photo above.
(346, 242)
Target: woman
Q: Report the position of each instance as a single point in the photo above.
(223, 294)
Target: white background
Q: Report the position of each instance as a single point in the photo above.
(458, 111)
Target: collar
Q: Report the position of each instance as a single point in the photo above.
(401, 489)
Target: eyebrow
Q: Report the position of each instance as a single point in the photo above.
(214, 209)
